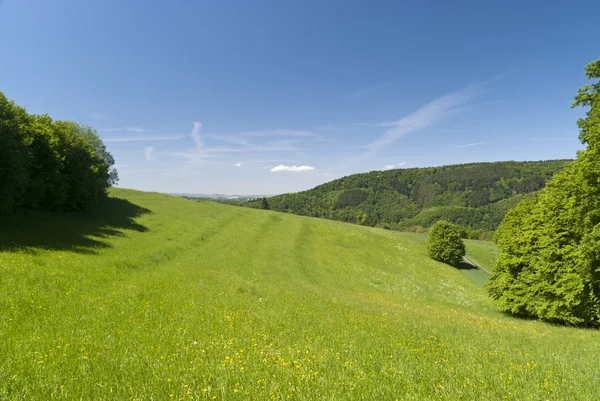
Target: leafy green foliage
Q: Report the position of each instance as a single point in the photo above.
(13, 156)
(549, 266)
(476, 196)
(351, 197)
(50, 165)
(361, 218)
(444, 243)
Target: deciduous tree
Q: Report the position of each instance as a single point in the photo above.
(549, 266)
(444, 243)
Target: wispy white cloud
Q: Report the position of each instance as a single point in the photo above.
(148, 151)
(393, 166)
(142, 138)
(366, 90)
(325, 174)
(569, 138)
(279, 132)
(151, 170)
(197, 153)
(282, 167)
(269, 161)
(196, 135)
(97, 116)
(257, 141)
(330, 127)
(389, 124)
(128, 128)
(243, 136)
(240, 138)
(237, 165)
(236, 140)
(424, 117)
(468, 145)
(268, 147)
(287, 142)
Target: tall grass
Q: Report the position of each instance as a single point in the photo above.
(157, 298)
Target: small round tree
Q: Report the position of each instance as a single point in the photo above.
(444, 243)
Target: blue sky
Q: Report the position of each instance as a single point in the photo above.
(265, 97)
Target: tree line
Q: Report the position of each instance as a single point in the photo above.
(50, 164)
(475, 196)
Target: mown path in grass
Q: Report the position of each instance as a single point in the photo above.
(482, 255)
(177, 299)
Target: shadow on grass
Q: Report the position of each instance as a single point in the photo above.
(464, 265)
(473, 272)
(80, 232)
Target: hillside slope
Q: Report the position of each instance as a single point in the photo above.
(156, 297)
(476, 196)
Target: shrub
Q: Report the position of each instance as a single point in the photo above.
(444, 243)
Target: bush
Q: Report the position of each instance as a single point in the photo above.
(444, 243)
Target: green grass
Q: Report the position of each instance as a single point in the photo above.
(482, 254)
(479, 260)
(157, 298)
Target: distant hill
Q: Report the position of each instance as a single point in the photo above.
(475, 196)
(218, 196)
(222, 198)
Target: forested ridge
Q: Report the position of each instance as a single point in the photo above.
(476, 196)
(49, 164)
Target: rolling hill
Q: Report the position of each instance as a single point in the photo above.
(475, 196)
(156, 297)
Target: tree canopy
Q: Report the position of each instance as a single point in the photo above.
(549, 266)
(476, 196)
(49, 164)
(444, 243)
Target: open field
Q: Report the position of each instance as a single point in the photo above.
(155, 297)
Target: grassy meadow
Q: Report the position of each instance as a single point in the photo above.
(156, 298)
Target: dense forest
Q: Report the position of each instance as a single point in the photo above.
(48, 164)
(475, 196)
